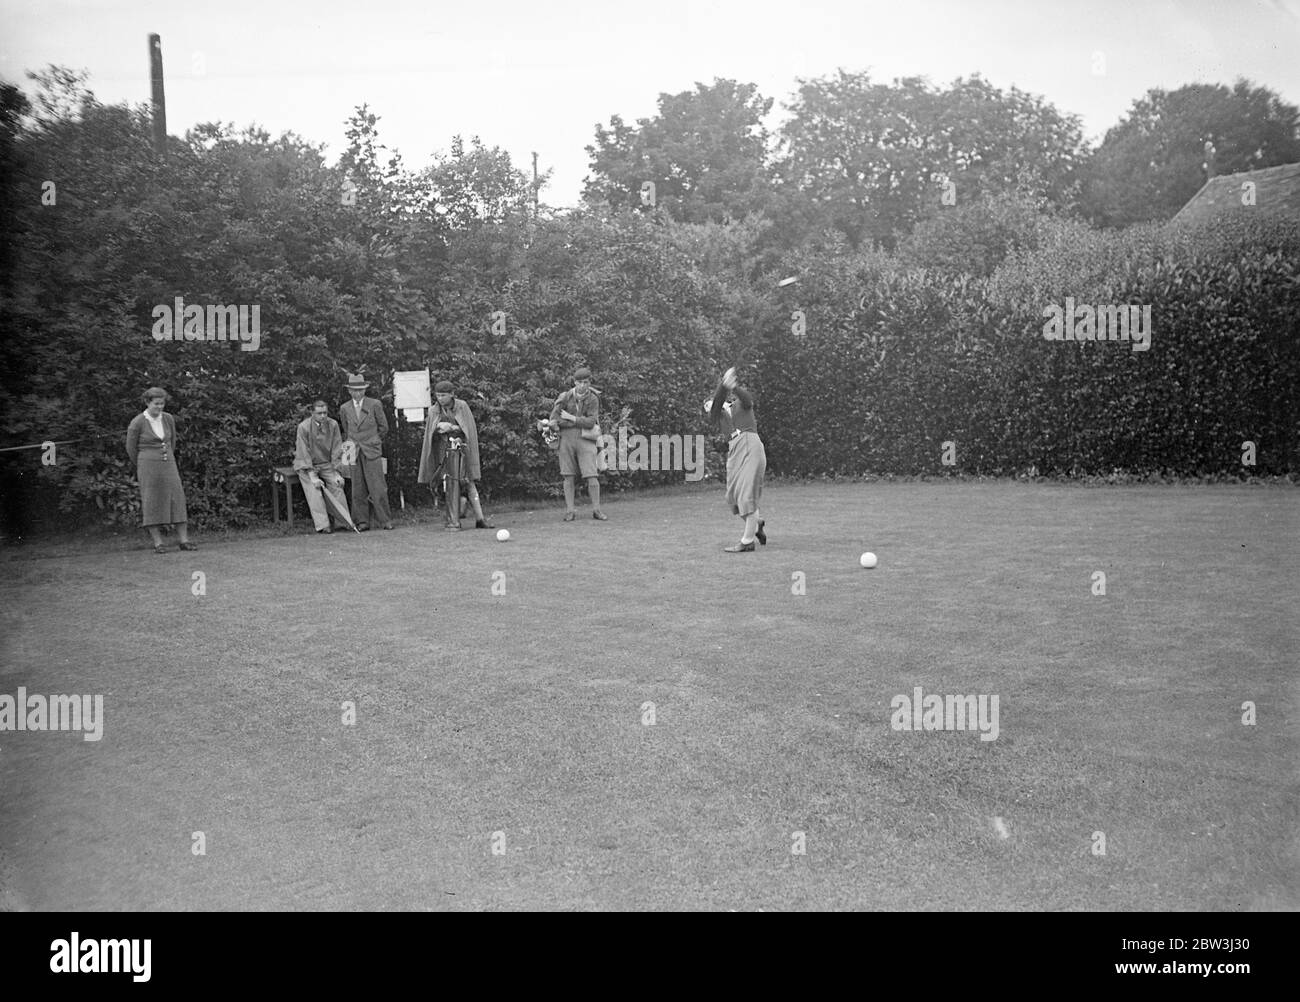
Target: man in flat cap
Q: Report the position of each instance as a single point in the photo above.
(575, 413)
(450, 453)
(364, 426)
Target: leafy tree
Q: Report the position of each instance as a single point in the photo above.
(473, 186)
(875, 158)
(705, 152)
(989, 140)
(856, 151)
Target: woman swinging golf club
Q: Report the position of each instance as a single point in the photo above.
(732, 408)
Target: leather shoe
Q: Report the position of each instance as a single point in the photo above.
(388, 525)
(600, 516)
(363, 527)
(483, 523)
(570, 516)
(188, 546)
(761, 536)
(739, 548)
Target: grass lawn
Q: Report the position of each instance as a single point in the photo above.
(522, 713)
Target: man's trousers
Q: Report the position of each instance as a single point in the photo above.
(331, 482)
(369, 488)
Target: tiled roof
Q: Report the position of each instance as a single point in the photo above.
(1277, 193)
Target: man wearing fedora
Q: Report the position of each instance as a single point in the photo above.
(577, 411)
(364, 425)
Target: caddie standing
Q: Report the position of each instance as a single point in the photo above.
(576, 413)
(450, 452)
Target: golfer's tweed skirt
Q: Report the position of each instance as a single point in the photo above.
(746, 465)
(162, 498)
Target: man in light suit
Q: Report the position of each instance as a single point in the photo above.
(316, 456)
(364, 425)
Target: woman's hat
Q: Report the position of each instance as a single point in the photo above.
(356, 381)
(443, 386)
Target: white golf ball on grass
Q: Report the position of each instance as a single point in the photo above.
(867, 560)
(503, 535)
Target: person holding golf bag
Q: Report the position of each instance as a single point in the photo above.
(450, 455)
(576, 414)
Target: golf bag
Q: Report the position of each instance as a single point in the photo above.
(451, 477)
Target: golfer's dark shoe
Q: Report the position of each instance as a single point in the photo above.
(363, 527)
(600, 516)
(761, 535)
(452, 528)
(739, 548)
(388, 525)
(570, 516)
(483, 523)
(188, 546)
(160, 548)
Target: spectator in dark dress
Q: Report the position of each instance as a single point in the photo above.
(151, 444)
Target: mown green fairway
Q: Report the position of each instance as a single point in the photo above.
(523, 713)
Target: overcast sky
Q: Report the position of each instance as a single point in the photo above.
(538, 76)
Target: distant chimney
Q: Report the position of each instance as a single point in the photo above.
(158, 100)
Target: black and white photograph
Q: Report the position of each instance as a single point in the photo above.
(643, 458)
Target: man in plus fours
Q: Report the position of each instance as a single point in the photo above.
(364, 425)
(576, 414)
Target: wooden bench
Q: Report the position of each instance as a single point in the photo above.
(288, 476)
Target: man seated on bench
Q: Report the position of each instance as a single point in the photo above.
(316, 457)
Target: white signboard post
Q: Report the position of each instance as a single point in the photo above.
(411, 393)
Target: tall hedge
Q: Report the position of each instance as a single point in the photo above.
(896, 362)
